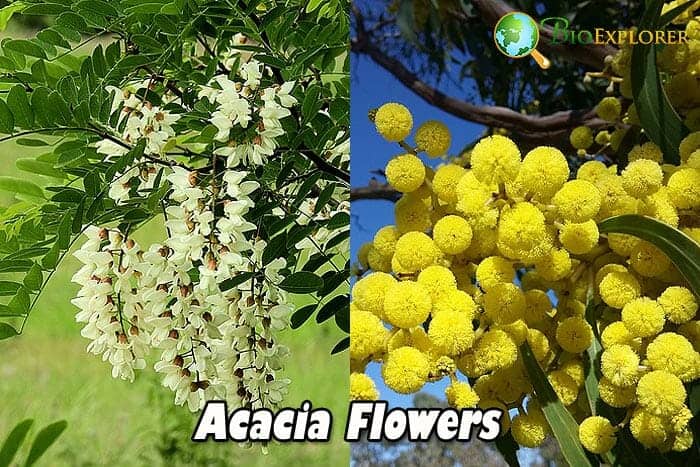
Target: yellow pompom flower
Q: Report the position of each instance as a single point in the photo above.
(619, 363)
(679, 304)
(673, 353)
(393, 121)
(574, 335)
(622, 244)
(414, 337)
(643, 317)
(504, 303)
(538, 343)
(689, 145)
(445, 182)
(438, 281)
(683, 441)
(486, 404)
(529, 430)
(564, 385)
(608, 268)
(661, 393)
(362, 254)
(543, 172)
(609, 109)
(538, 306)
(416, 251)
(597, 434)
(385, 240)
(494, 270)
(581, 137)
(619, 288)
(461, 396)
(574, 368)
(369, 292)
(362, 388)
(617, 333)
(405, 173)
(407, 304)
(649, 151)
(411, 214)
(455, 300)
(367, 335)
(434, 138)
(659, 206)
(554, 266)
(522, 233)
(452, 234)
(648, 429)
(593, 171)
(377, 261)
(577, 201)
(450, 333)
(642, 178)
(495, 159)
(684, 188)
(495, 350)
(616, 396)
(647, 260)
(406, 370)
(580, 238)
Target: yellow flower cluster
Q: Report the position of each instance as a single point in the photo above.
(485, 257)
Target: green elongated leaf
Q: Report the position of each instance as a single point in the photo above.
(673, 13)
(324, 197)
(144, 9)
(58, 105)
(238, 279)
(7, 120)
(8, 288)
(72, 21)
(20, 187)
(20, 302)
(683, 252)
(15, 265)
(508, 448)
(301, 282)
(343, 344)
(25, 47)
(37, 167)
(561, 421)
(31, 142)
(50, 36)
(45, 9)
(341, 219)
(332, 307)
(6, 13)
(342, 316)
(302, 315)
(43, 441)
(97, 6)
(16, 437)
(34, 278)
(656, 114)
(18, 102)
(51, 259)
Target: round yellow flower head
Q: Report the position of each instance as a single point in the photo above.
(642, 178)
(661, 393)
(377, 261)
(574, 335)
(362, 388)
(593, 171)
(602, 137)
(643, 317)
(452, 234)
(543, 171)
(581, 238)
(406, 370)
(555, 266)
(608, 268)
(529, 430)
(597, 433)
(659, 206)
(648, 429)
(393, 121)
(617, 333)
(434, 138)
(622, 244)
(581, 137)
(495, 159)
(504, 303)
(414, 337)
(649, 151)
(679, 304)
(673, 353)
(564, 385)
(681, 419)
(416, 251)
(405, 173)
(367, 335)
(445, 182)
(616, 396)
(522, 233)
(537, 306)
(619, 288)
(494, 270)
(538, 343)
(647, 260)
(683, 441)
(368, 293)
(461, 396)
(411, 214)
(694, 159)
(684, 188)
(486, 404)
(450, 333)
(407, 304)
(458, 301)
(577, 201)
(385, 240)
(689, 145)
(619, 363)
(574, 368)
(609, 109)
(495, 350)
(362, 254)
(438, 281)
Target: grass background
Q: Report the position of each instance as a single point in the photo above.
(47, 375)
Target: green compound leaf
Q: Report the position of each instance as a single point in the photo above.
(657, 116)
(561, 421)
(683, 252)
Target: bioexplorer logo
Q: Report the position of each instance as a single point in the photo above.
(516, 35)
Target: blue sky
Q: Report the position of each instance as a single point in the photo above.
(371, 87)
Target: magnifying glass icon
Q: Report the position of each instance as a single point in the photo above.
(516, 35)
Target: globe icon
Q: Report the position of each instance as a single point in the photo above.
(516, 35)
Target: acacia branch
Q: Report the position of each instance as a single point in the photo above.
(375, 190)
